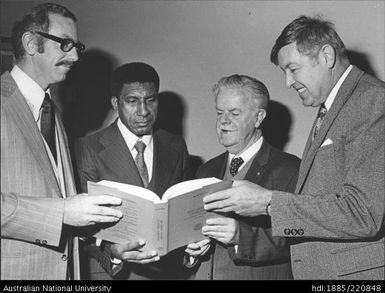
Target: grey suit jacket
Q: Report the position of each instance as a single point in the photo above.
(105, 156)
(260, 256)
(34, 244)
(339, 210)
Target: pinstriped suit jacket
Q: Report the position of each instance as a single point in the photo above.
(33, 241)
(342, 214)
(105, 156)
(260, 256)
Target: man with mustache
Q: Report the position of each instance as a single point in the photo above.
(336, 214)
(114, 154)
(243, 247)
(39, 204)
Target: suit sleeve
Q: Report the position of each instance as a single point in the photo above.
(355, 209)
(85, 163)
(32, 219)
(257, 245)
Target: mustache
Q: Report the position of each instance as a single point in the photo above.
(65, 62)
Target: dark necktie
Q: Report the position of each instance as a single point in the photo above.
(47, 124)
(139, 161)
(320, 117)
(234, 165)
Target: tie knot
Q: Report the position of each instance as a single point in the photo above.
(235, 164)
(322, 111)
(140, 146)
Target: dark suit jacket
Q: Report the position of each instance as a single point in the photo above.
(105, 156)
(339, 213)
(260, 255)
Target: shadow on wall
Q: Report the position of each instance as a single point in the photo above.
(277, 124)
(86, 93)
(171, 111)
(361, 60)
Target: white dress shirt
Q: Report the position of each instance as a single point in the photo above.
(131, 140)
(330, 99)
(34, 96)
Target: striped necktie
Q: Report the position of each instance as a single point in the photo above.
(320, 117)
(139, 161)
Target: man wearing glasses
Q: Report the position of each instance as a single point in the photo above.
(39, 204)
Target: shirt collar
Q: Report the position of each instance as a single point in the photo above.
(247, 154)
(31, 91)
(131, 138)
(329, 101)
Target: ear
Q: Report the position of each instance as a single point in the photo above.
(261, 114)
(329, 55)
(29, 42)
(114, 103)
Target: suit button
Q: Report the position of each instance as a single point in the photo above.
(37, 241)
(64, 257)
(44, 242)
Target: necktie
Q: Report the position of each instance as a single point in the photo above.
(320, 117)
(139, 161)
(47, 124)
(234, 165)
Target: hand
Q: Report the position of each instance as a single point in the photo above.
(130, 252)
(244, 198)
(197, 249)
(225, 230)
(84, 210)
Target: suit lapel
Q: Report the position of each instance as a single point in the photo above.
(165, 160)
(117, 155)
(258, 164)
(19, 110)
(342, 97)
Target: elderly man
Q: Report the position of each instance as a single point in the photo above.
(243, 246)
(39, 205)
(337, 211)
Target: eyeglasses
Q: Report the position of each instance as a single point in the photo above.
(66, 45)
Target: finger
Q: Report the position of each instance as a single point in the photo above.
(105, 211)
(193, 246)
(104, 200)
(92, 220)
(218, 221)
(133, 245)
(204, 242)
(140, 255)
(220, 195)
(217, 205)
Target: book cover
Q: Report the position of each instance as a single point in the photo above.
(165, 224)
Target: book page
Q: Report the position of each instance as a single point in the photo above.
(187, 215)
(187, 186)
(138, 220)
(132, 189)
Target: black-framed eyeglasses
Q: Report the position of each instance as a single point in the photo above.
(66, 45)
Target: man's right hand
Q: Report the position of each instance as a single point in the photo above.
(84, 210)
(130, 252)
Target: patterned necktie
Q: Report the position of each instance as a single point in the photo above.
(234, 165)
(139, 161)
(47, 124)
(320, 117)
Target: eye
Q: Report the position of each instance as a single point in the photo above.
(130, 101)
(151, 99)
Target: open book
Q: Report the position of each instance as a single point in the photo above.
(165, 224)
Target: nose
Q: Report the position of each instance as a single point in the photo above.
(142, 109)
(224, 118)
(73, 54)
(289, 80)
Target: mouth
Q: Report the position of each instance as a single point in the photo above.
(66, 64)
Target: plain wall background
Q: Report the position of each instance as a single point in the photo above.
(194, 43)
